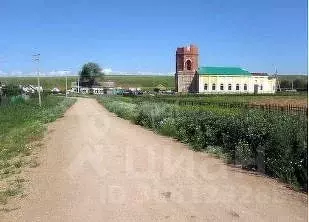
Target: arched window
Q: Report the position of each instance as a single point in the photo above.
(245, 87)
(261, 87)
(205, 86)
(188, 64)
(230, 87)
(237, 86)
(213, 86)
(221, 87)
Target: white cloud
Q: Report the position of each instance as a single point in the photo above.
(59, 73)
(2, 73)
(16, 73)
(107, 70)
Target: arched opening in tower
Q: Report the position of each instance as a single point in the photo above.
(188, 64)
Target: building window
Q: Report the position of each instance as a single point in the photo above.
(245, 87)
(205, 86)
(230, 87)
(213, 86)
(237, 86)
(188, 65)
(261, 87)
(221, 87)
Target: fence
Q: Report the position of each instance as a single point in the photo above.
(290, 109)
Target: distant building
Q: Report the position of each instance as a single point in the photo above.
(106, 88)
(55, 90)
(109, 87)
(190, 77)
(30, 89)
(2, 85)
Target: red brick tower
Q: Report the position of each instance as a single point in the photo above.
(186, 78)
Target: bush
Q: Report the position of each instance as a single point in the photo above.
(167, 127)
(17, 99)
(11, 90)
(152, 115)
(123, 109)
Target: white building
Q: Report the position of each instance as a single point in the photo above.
(107, 88)
(55, 90)
(218, 80)
(31, 89)
(98, 90)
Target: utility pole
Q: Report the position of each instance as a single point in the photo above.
(66, 85)
(67, 71)
(277, 81)
(36, 58)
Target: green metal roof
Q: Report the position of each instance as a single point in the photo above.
(223, 71)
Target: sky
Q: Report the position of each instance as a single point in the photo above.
(142, 36)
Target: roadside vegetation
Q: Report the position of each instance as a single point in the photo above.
(22, 124)
(272, 143)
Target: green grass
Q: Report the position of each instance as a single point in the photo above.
(21, 124)
(9, 192)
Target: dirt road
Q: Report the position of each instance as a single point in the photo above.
(98, 167)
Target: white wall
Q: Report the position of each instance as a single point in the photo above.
(98, 91)
(268, 85)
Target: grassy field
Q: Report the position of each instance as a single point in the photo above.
(143, 81)
(146, 82)
(46, 82)
(281, 99)
(22, 124)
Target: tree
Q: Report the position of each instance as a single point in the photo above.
(285, 84)
(90, 71)
(299, 84)
(11, 90)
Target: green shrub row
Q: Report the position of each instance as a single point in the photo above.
(272, 143)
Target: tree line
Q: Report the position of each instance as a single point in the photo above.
(298, 84)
